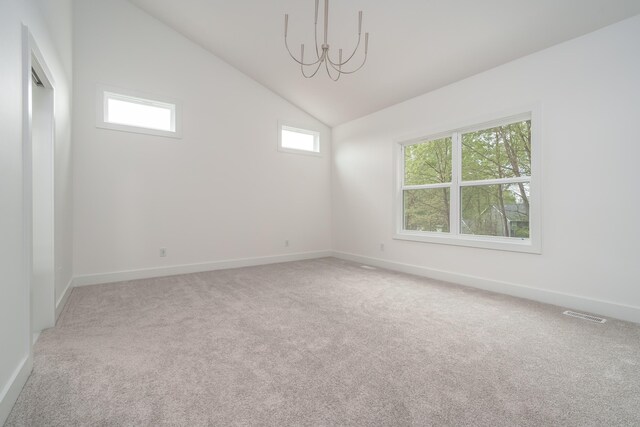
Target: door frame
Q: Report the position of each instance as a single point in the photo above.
(32, 57)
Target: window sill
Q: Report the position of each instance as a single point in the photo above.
(496, 243)
(136, 129)
(303, 152)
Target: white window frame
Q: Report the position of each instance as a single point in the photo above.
(306, 130)
(532, 244)
(104, 93)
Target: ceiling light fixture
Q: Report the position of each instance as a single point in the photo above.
(324, 56)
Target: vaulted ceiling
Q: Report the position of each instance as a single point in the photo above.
(415, 45)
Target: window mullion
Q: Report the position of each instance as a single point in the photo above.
(456, 173)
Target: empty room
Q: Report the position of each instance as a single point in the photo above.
(319, 213)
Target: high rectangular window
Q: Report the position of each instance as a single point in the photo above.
(123, 110)
(297, 140)
(472, 186)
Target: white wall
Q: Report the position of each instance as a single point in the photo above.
(59, 20)
(221, 192)
(15, 335)
(589, 91)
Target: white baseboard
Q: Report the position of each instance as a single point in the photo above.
(147, 273)
(13, 387)
(590, 305)
(62, 301)
(603, 308)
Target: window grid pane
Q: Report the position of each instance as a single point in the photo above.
(428, 162)
(298, 140)
(138, 114)
(495, 210)
(497, 152)
(427, 209)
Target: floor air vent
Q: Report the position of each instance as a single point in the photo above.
(583, 316)
(368, 267)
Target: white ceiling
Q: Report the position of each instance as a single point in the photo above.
(415, 45)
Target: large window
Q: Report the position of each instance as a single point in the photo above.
(124, 110)
(472, 186)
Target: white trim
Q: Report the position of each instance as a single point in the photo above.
(497, 181)
(397, 204)
(468, 124)
(309, 130)
(424, 138)
(29, 48)
(502, 121)
(511, 244)
(561, 299)
(455, 214)
(427, 186)
(535, 182)
(147, 273)
(62, 301)
(103, 92)
(33, 58)
(11, 390)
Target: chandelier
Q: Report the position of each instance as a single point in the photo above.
(334, 68)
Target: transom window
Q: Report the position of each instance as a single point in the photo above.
(471, 186)
(123, 110)
(298, 140)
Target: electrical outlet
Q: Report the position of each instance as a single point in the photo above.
(381, 247)
(163, 252)
(286, 243)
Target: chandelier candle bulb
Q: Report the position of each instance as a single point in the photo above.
(286, 24)
(322, 51)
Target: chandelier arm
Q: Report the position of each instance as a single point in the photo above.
(335, 67)
(354, 51)
(315, 35)
(286, 40)
(366, 54)
(286, 44)
(326, 65)
(352, 71)
(357, 44)
(311, 75)
(350, 56)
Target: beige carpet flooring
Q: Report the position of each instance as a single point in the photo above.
(322, 343)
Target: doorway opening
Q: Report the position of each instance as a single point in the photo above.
(38, 157)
